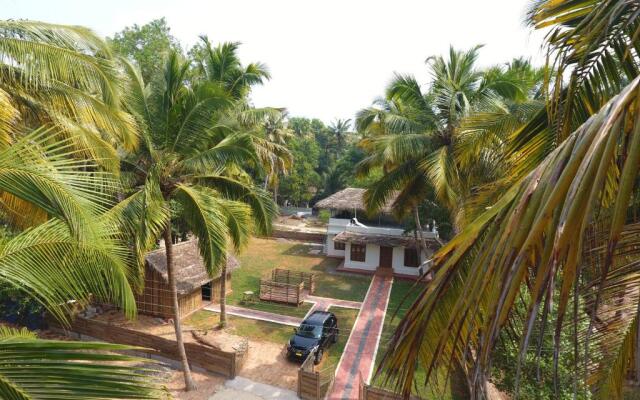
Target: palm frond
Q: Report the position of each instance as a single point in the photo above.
(38, 369)
(205, 217)
(533, 238)
(263, 208)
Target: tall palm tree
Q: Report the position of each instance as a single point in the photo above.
(184, 160)
(221, 64)
(424, 127)
(276, 135)
(339, 129)
(565, 232)
(381, 124)
(77, 254)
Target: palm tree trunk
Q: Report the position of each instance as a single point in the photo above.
(275, 194)
(223, 296)
(168, 245)
(422, 246)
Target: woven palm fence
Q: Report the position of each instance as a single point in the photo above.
(286, 286)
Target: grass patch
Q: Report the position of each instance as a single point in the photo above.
(346, 318)
(263, 255)
(250, 328)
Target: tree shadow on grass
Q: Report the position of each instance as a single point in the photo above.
(303, 250)
(327, 265)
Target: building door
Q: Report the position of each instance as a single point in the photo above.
(386, 256)
(206, 291)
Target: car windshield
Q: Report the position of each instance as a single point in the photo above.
(310, 331)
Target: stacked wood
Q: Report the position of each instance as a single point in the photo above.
(281, 292)
(295, 277)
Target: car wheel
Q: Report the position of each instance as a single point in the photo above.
(335, 336)
(318, 357)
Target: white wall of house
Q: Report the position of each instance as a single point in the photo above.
(372, 257)
(398, 263)
(371, 261)
(330, 247)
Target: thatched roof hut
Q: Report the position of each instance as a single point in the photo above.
(350, 199)
(190, 271)
(192, 281)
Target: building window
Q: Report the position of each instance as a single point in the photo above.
(358, 252)
(411, 258)
(338, 245)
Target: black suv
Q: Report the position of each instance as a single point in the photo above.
(315, 333)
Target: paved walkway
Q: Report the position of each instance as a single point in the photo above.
(360, 352)
(241, 388)
(324, 303)
(319, 304)
(255, 314)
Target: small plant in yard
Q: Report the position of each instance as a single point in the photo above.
(324, 216)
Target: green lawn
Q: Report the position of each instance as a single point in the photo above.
(346, 318)
(263, 255)
(252, 329)
(403, 294)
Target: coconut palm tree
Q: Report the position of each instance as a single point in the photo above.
(183, 159)
(67, 76)
(221, 64)
(425, 127)
(77, 254)
(564, 232)
(339, 129)
(276, 134)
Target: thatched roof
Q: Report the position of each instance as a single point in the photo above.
(384, 240)
(190, 271)
(350, 199)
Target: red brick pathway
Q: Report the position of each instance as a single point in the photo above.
(359, 354)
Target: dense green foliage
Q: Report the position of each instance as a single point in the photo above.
(325, 159)
(147, 45)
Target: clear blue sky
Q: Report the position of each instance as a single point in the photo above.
(328, 58)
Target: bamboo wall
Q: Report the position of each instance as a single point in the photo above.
(215, 289)
(190, 302)
(155, 300)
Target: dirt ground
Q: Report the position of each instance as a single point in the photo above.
(207, 385)
(266, 361)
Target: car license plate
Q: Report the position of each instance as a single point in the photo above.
(299, 354)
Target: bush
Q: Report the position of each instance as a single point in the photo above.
(17, 307)
(324, 216)
(506, 357)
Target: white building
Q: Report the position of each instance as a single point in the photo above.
(372, 244)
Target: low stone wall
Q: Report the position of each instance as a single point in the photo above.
(309, 237)
(214, 360)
